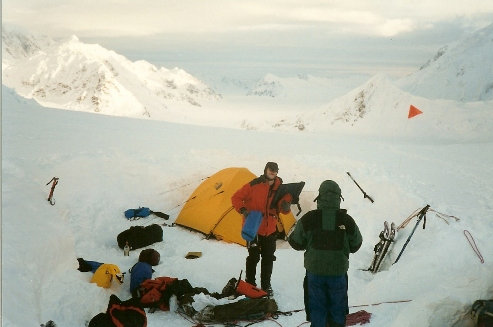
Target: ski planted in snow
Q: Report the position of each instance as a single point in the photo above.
(381, 248)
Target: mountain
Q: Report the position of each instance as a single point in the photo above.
(380, 109)
(305, 88)
(462, 71)
(69, 74)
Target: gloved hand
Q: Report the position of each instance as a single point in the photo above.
(285, 203)
(244, 211)
(285, 206)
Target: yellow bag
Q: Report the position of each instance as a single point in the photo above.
(105, 274)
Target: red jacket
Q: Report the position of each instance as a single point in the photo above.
(258, 195)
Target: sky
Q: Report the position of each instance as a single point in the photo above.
(322, 38)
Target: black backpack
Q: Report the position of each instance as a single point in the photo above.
(292, 188)
(140, 236)
(121, 314)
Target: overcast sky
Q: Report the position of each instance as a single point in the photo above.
(279, 36)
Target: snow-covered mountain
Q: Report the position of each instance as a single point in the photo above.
(461, 71)
(69, 74)
(305, 87)
(379, 105)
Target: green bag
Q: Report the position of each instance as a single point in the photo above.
(247, 309)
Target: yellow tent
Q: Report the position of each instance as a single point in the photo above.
(209, 209)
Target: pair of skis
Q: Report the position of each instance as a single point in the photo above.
(381, 248)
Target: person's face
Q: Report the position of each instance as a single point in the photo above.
(271, 174)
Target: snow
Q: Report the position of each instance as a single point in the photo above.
(107, 164)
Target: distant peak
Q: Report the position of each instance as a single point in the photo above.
(73, 38)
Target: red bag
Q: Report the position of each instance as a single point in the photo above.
(249, 290)
(151, 291)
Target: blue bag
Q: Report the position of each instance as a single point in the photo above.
(137, 213)
(251, 225)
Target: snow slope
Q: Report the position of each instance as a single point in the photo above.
(462, 71)
(108, 164)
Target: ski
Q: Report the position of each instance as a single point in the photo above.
(381, 248)
(386, 246)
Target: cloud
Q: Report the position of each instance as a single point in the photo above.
(113, 18)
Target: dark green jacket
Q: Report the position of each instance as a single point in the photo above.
(327, 234)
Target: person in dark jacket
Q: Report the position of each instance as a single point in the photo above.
(327, 235)
(258, 195)
(142, 270)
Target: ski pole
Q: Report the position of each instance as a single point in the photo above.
(364, 193)
(50, 197)
(421, 215)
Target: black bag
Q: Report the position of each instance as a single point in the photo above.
(482, 312)
(140, 236)
(149, 256)
(292, 188)
(246, 309)
(121, 314)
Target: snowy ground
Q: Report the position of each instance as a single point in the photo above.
(109, 164)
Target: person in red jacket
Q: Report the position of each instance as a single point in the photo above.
(258, 195)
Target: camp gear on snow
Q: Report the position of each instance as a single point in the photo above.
(152, 292)
(251, 225)
(150, 256)
(209, 211)
(472, 243)
(294, 189)
(364, 193)
(246, 309)
(155, 293)
(417, 212)
(126, 249)
(358, 318)
(421, 215)
(141, 212)
(249, 290)
(120, 313)
(140, 236)
(105, 274)
(193, 255)
(51, 199)
(482, 313)
(381, 248)
(85, 266)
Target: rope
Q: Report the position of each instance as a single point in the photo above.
(416, 212)
(472, 243)
(443, 216)
(375, 304)
(408, 219)
(360, 317)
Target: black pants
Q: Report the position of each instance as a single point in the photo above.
(265, 248)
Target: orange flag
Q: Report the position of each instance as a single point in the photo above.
(413, 111)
